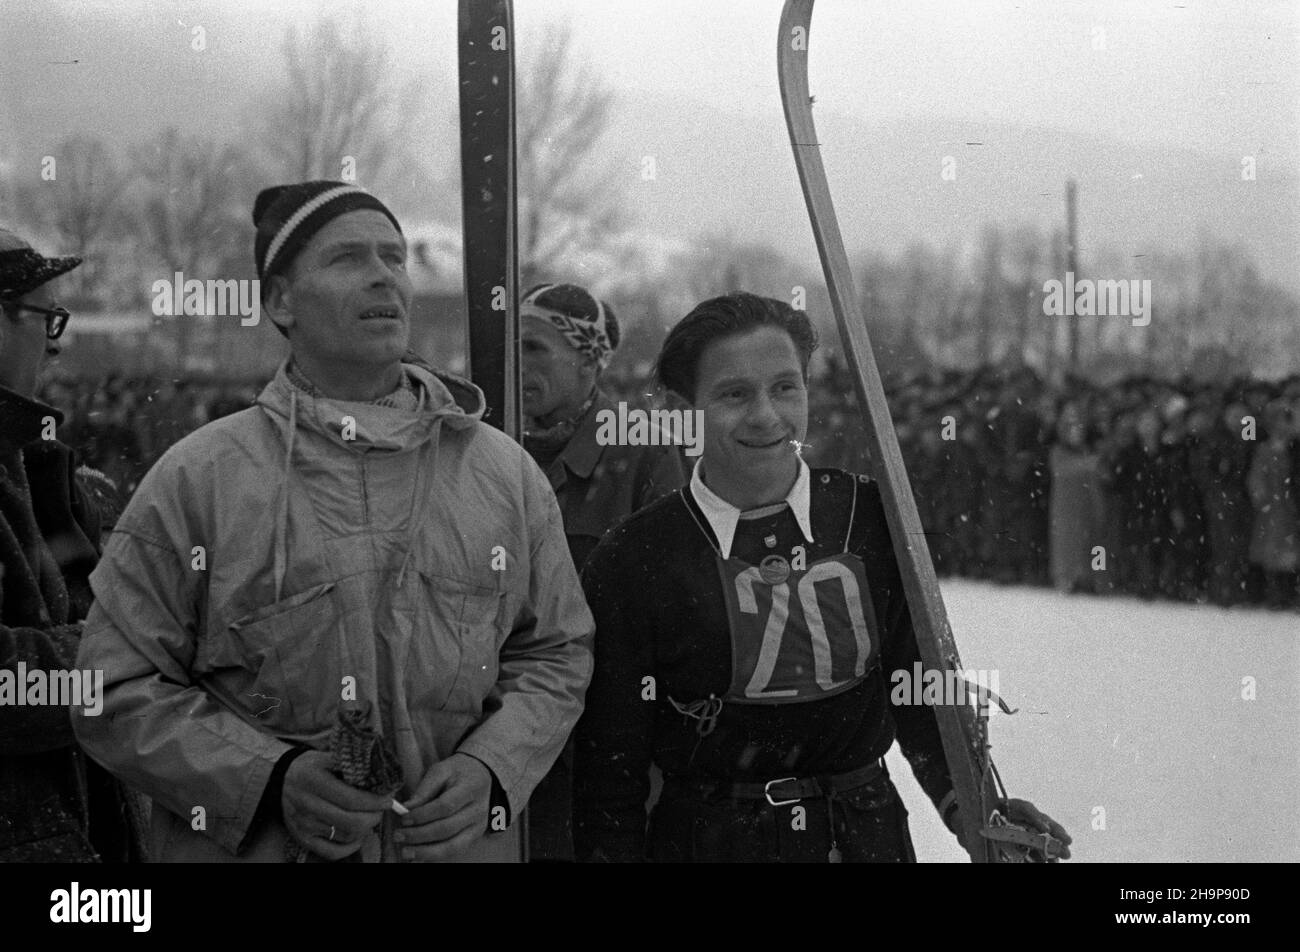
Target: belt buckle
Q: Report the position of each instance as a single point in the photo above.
(767, 792)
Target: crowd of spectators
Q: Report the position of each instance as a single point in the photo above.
(1154, 488)
(1172, 489)
(121, 425)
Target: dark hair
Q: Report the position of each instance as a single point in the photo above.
(726, 316)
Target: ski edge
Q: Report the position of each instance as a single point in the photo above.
(964, 739)
(475, 21)
(485, 14)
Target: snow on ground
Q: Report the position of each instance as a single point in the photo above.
(1132, 730)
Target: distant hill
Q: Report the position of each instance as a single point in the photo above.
(715, 166)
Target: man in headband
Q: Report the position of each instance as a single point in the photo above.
(568, 337)
(343, 623)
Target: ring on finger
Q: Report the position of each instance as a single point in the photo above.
(331, 837)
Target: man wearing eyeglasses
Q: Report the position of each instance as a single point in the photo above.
(55, 806)
(28, 338)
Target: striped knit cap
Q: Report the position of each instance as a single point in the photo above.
(287, 216)
(588, 324)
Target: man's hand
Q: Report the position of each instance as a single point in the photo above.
(449, 810)
(323, 813)
(1023, 813)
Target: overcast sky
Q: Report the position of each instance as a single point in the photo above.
(1221, 78)
(1218, 74)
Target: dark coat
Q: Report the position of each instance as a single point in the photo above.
(1275, 535)
(1077, 518)
(1218, 463)
(54, 804)
(597, 487)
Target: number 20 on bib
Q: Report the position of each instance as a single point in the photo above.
(801, 639)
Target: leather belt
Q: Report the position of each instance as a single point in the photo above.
(786, 790)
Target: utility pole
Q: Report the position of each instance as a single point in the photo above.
(1052, 328)
(1072, 262)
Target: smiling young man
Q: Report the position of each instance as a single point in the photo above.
(357, 547)
(744, 630)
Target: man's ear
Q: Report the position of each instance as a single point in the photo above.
(676, 401)
(278, 303)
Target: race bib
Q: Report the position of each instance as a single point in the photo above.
(798, 636)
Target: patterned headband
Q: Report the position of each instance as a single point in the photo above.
(588, 337)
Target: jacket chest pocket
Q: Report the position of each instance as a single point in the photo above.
(454, 655)
(290, 651)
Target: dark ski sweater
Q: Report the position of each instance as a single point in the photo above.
(657, 595)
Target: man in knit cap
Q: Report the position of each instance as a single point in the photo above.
(567, 337)
(358, 549)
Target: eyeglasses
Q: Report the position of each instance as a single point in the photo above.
(56, 318)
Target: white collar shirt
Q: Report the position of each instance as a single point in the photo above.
(723, 517)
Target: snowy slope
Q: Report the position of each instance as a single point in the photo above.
(1135, 708)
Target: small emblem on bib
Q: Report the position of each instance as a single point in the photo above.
(774, 570)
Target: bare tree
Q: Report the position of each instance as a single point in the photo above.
(191, 205)
(335, 114)
(1026, 251)
(193, 202)
(718, 262)
(568, 193)
(930, 296)
(79, 205)
(990, 307)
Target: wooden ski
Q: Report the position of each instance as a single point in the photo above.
(487, 168)
(965, 736)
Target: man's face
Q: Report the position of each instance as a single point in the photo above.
(555, 375)
(23, 343)
(751, 389)
(347, 296)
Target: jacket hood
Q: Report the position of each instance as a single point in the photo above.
(358, 428)
(445, 399)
